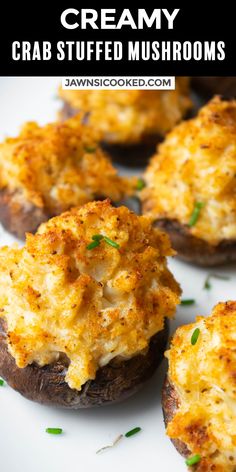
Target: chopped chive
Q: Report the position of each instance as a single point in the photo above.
(188, 301)
(195, 214)
(104, 448)
(132, 432)
(1, 382)
(93, 244)
(140, 184)
(195, 336)
(97, 237)
(89, 149)
(112, 243)
(193, 460)
(54, 430)
(207, 285)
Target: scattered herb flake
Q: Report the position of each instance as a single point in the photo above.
(188, 301)
(207, 285)
(110, 242)
(90, 149)
(93, 244)
(127, 435)
(104, 448)
(1, 382)
(54, 430)
(140, 184)
(195, 336)
(193, 460)
(132, 432)
(195, 214)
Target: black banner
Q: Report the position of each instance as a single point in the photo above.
(34, 41)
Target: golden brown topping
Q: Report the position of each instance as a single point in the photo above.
(93, 305)
(58, 166)
(204, 377)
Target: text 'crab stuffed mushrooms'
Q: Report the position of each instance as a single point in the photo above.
(130, 117)
(191, 182)
(83, 307)
(199, 395)
(49, 169)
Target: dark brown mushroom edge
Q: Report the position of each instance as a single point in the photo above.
(84, 307)
(198, 397)
(47, 170)
(210, 86)
(189, 186)
(130, 122)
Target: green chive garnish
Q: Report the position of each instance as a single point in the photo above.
(195, 214)
(112, 243)
(1, 382)
(132, 432)
(193, 460)
(93, 244)
(195, 336)
(140, 184)
(207, 285)
(89, 149)
(54, 430)
(97, 237)
(188, 301)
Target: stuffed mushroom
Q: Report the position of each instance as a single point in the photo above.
(191, 184)
(199, 394)
(47, 170)
(83, 307)
(130, 121)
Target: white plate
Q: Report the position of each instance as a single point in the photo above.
(24, 444)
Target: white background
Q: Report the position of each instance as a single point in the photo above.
(24, 444)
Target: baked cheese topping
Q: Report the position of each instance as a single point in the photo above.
(59, 296)
(204, 377)
(58, 166)
(128, 116)
(197, 163)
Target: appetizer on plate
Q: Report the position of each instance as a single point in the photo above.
(199, 394)
(83, 307)
(209, 86)
(49, 169)
(191, 184)
(129, 121)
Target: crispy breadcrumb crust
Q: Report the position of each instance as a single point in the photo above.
(58, 296)
(203, 379)
(197, 163)
(209, 86)
(131, 116)
(58, 166)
